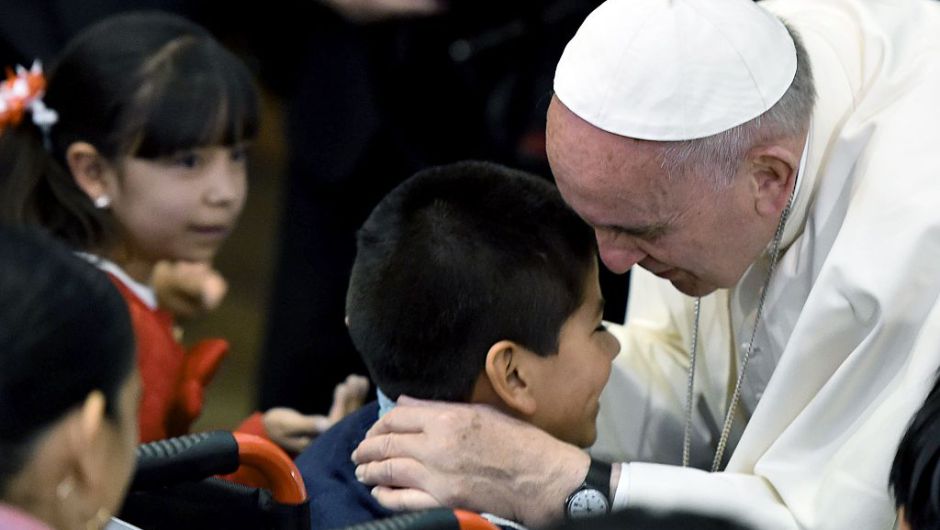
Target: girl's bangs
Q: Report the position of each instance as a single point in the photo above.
(201, 96)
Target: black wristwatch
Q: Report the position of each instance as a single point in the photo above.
(593, 496)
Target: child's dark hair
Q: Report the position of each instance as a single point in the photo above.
(455, 259)
(915, 473)
(64, 332)
(141, 84)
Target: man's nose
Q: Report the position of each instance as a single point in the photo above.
(618, 253)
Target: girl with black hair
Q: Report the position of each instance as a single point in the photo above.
(68, 390)
(143, 162)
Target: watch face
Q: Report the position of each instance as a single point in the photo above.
(587, 501)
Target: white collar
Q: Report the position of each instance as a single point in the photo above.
(385, 403)
(141, 290)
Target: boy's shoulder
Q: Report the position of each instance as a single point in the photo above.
(337, 498)
(344, 435)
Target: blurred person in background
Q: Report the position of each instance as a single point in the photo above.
(68, 388)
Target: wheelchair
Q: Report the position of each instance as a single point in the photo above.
(237, 481)
(179, 484)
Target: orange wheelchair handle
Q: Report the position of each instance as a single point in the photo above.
(473, 521)
(286, 484)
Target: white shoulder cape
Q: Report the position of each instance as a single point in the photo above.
(850, 341)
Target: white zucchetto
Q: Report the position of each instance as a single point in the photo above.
(671, 70)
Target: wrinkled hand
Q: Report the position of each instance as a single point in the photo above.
(188, 289)
(366, 11)
(424, 454)
(294, 431)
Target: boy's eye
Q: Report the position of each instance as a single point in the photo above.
(601, 327)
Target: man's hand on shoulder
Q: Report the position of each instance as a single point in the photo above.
(424, 454)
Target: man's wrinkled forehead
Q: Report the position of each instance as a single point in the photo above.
(599, 173)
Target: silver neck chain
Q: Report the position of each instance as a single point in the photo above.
(693, 353)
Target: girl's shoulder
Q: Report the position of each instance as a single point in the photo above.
(129, 287)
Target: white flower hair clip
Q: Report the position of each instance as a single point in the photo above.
(22, 91)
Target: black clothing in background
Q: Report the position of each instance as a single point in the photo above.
(39, 29)
(369, 106)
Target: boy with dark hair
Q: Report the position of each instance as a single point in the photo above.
(472, 283)
(915, 474)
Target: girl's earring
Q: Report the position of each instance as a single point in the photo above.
(65, 488)
(102, 202)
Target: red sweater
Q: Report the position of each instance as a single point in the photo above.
(174, 380)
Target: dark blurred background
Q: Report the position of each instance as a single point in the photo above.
(356, 96)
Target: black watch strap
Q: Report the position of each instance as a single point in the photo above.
(598, 477)
(593, 495)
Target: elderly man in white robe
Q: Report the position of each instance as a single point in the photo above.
(775, 191)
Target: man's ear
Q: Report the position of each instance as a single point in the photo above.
(89, 169)
(773, 169)
(510, 377)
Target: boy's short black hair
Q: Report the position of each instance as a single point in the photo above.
(455, 259)
(915, 473)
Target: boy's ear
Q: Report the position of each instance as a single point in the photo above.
(88, 169)
(509, 377)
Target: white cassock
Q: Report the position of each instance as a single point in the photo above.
(850, 339)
